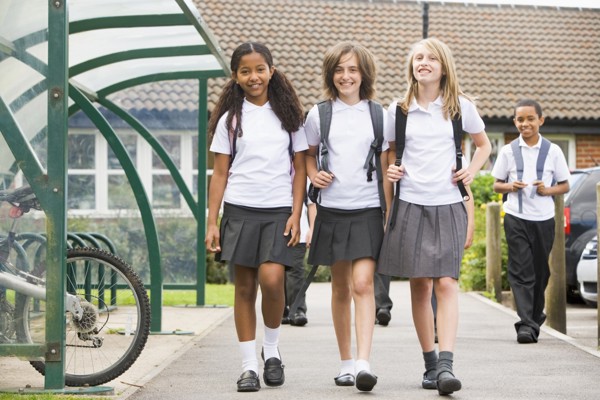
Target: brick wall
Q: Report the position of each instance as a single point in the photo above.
(588, 150)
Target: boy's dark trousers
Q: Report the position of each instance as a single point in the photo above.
(529, 245)
(382, 291)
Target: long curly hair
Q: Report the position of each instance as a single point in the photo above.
(280, 91)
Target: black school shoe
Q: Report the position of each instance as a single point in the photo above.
(273, 373)
(429, 379)
(365, 381)
(447, 383)
(383, 316)
(248, 382)
(299, 318)
(526, 334)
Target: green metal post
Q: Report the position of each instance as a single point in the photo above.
(202, 165)
(58, 66)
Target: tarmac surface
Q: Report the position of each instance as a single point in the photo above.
(203, 362)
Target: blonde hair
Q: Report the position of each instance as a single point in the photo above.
(449, 87)
(366, 66)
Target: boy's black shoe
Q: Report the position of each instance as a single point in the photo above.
(383, 316)
(526, 335)
(299, 319)
(285, 319)
(248, 382)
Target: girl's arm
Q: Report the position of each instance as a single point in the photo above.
(298, 193)
(216, 190)
(470, 204)
(388, 188)
(480, 157)
(311, 210)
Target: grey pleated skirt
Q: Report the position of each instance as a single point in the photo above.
(426, 241)
(253, 236)
(345, 235)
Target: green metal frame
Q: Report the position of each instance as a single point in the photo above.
(51, 186)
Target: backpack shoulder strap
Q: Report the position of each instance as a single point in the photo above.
(233, 134)
(541, 159)
(376, 111)
(400, 136)
(458, 133)
(325, 114)
(518, 156)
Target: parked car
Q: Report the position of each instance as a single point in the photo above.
(587, 273)
(580, 223)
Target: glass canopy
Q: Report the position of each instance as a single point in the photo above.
(113, 44)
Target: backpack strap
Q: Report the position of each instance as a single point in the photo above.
(539, 165)
(457, 129)
(375, 151)
(400, 142)
(325, 115)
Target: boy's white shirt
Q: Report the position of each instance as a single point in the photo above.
(538, 208)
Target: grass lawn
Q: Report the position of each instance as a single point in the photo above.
(215, 295)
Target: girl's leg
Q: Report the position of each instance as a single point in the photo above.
(363, 294)
(446, 291)
(245, 325)
(271, 278)
(422, 312)
(341, 298)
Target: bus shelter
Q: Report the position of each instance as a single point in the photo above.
(59, 57)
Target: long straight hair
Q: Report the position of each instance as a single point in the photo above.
(449, 86)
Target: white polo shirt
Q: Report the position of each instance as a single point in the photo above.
(429, 153)
(260, 174)
(538, 208)
(350, 138)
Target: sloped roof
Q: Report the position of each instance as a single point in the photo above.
(503, 53)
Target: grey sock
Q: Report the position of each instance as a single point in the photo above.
(431, 361)
(444, 365)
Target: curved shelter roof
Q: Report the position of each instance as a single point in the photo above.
(113, 45)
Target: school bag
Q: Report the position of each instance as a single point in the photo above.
(539, 165)
(401, 141)
(373, 160)
(372, 163)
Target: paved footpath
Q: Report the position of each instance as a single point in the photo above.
(488, 360)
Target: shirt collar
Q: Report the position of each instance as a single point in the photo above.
(415, 106)
(537, 145)
(339, 105)
(249, 107)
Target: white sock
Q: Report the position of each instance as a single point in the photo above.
(270, 343)
(248, 352)
(347, 367)
(362, 365)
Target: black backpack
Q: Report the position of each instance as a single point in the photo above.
(373, 161)
(401, 118)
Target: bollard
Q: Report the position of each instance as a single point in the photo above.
(493, 251)
(556, 295)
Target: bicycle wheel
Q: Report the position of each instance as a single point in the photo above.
(115, 325)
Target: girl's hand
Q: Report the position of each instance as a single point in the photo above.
(292, 230)
(322, 179)
(213, 239)
(395, 173)
(462, 175)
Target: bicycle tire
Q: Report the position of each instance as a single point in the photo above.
(113, 332)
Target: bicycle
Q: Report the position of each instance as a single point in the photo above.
(107, 307)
